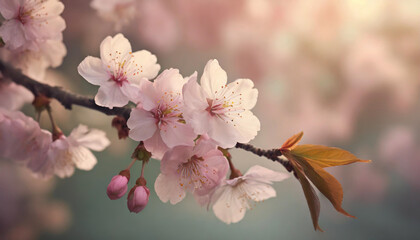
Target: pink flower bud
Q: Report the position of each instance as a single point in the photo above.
(138, 198)
(118, 185)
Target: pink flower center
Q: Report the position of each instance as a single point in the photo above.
(215, 107)
(23, 16)
(119, 78)
(168, 111)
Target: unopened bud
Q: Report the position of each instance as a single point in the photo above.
(118, 185)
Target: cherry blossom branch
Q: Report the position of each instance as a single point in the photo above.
(67, 99)
(272, 154)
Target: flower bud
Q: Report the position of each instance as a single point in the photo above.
(118, 185)
(138, 198)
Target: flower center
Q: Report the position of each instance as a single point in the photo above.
(216, 107)
(190, 173)
(23, 16)
(119, 78)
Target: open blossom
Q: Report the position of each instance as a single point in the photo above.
(30, 22)
(67, 153)
(118, 72)
(198, 170)
(33, 63)
(13, 96)
(21, 137)
(158, 119)
(235, 196)
(120, 12)
(221, 110)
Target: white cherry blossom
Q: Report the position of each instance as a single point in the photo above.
(235, 196)
(118, 72)
(221, 110)
(67, 153)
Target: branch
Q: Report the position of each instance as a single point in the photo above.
(67, 99)
(272, 154)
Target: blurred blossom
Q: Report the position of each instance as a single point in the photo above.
(26, 208)
(400, 149)
(367, 183)
(118, 12)
(157, 25)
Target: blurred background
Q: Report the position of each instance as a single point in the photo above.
(345, 72)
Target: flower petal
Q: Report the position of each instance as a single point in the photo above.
(142, 124)
(168, 189)
(94, 139)
(147, 64)
(92, 69)
(247, 126)
(131, 91)
(242, 91)
(177, 133)
(156, 146)
(13, 34)
(223, 132)
(195, 104)
(113, 47)
(228, 206)
(214, 78)
(110, 95)
(170, 81)
(83, 158)
(148, 96)
(264, 175)
(9, 9)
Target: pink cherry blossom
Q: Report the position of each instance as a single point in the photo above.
(158, 119)
(198, 170)
(118, 185)
(119, 12)
(13, 96)
(33, 63)
(118, 72)
(21, 137)
(67, 153)
(231, 200)
(221, 110)
(138, 198)
(30, 22)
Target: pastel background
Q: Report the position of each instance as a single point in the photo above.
(345, 72)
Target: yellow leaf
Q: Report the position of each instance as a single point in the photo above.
(292, 142)
(325, 182)
(323, 156)
(310, 195)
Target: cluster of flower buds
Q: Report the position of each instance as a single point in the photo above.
(138, 197)
(184, 124)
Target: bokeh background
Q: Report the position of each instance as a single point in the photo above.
(345, 72)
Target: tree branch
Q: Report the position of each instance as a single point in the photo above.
(67, 99)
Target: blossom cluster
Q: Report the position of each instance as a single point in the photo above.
(184, 124)
(32, 35)
(44, 153)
